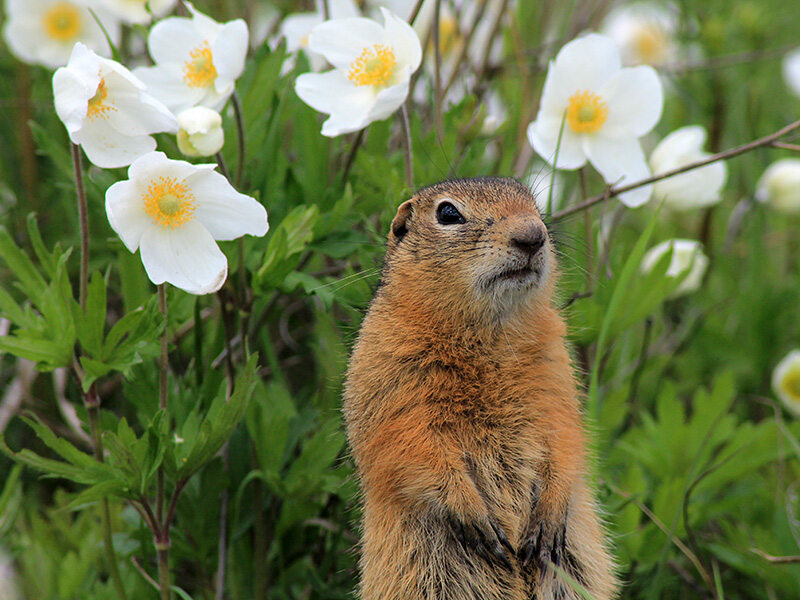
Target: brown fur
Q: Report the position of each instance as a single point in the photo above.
(463, 414)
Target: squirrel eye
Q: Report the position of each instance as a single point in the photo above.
(447, 214)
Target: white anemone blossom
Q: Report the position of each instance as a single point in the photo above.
(107, 110)
(45, 31)
(604, 110)
(786, 382)
(779, 186)
(791, 71)
(697, 188)
(372, 68)
(296, 28)
(173, 211)
(200, 132)
(138, 11)
(197, 60)
(644, 32)
(687, 255)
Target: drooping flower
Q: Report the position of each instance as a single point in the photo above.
(694, 189)
(372, 68)
(107, 110)
(786, 382)
(200, 132)
(173, 211)
(791, 71)
(644, 32)
(296, 28)
(686, 255)
(779, 186)
(197, 60)
(45, 31)
(604, 109)
(136, 11)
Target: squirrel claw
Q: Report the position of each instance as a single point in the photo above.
(545, 543)
(489, 542)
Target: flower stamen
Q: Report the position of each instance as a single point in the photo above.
(375, 66)
(169, 203)
(97, 106)
(586, 112)
(199, 70)
(63, 21)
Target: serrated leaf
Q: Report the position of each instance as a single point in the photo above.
(30, 280)
(47, 259)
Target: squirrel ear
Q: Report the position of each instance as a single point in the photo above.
(399, 228)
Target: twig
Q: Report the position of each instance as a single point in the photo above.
(351, 156)
(409, 157)
(463, 50)
(437, 71)
(775, 559)
(415, 12)
(730, 153)
(161, 536)
(144, 573)
(729, 60)
(785, 146)
(490, 40)
(240, 133)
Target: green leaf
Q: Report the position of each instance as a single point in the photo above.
(29, 277)
(317, 456)
(47, 259)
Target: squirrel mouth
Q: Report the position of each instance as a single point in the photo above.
(514, 275)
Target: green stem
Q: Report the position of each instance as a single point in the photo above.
(437, 72)
(162, 541)
(409, 157)
(163, 569)
(83, 215)
(237, 112)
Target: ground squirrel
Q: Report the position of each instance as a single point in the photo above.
(462, 410)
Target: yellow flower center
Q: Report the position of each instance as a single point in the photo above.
(199, 70)
(374, 66)
(791, 384)
(169, 202)
(449, 37)
(97, 106)
(651, 45)
(586, 112)
(63, 21)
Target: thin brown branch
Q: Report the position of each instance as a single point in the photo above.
(144, 573)
(730, 153)
(775, 559)
(785, 146)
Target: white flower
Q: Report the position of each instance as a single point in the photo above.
(786, 381)
(106, 109)
(604, 109)
(174, 211)
(373, 65)
(45, 31)
(791, 71)
(694, 189)
(296, 28)
(197, 60)
(779, 186)
(686, 255)
(200, 132)
(136, 11)
(644, 33)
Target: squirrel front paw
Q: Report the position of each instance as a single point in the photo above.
(544, 543)
(485, 537)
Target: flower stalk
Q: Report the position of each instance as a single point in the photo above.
(83, 216)
(409, 157)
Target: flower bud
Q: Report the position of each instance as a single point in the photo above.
(200, 132)
(686, 255)
(786, 381)
(779, 186)
(694, 189)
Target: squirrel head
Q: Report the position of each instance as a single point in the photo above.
(477, 247)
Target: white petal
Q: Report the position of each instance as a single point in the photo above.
(153, 165)
(136, 112)
(71, 97)
(543, 136)
(173, 39)
(686, 141)
(296, 29)
(403, 39)
(635, 100)
(334, 94)
(584, 64)
(343, 40)
(620, 162)
(791, 71)
(203, 23)
(166, 84)
(125, 210)
(187, 257)
(388, 101)
(108, 148)
(229, 50)
(223, 211)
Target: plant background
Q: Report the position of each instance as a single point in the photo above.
(697, 465)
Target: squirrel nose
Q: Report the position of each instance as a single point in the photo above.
(529, 239)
